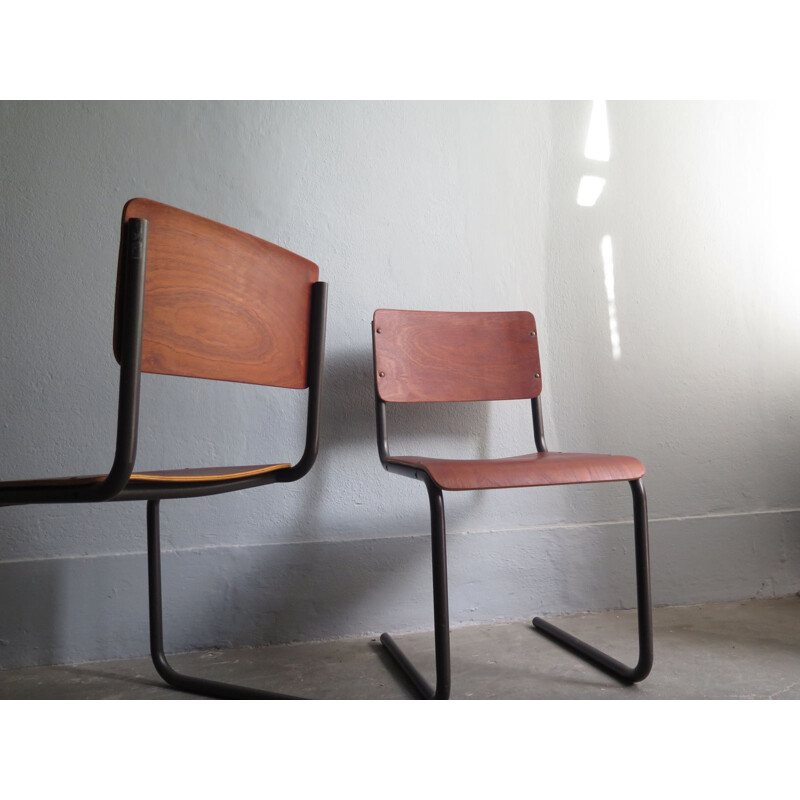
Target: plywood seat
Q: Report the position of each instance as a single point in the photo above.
(532, 469)
(194, 475)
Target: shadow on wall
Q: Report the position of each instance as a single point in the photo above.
(266, 593)
(67, 610)
(302, 584)
(348, 456)
(349, 412)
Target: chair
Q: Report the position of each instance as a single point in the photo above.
(199, 299)
(429, 356)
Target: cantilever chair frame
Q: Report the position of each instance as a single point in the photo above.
(592, 655)
(118, 486)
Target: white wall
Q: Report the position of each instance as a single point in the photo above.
(464, 206)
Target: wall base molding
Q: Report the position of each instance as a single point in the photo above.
(68, 610)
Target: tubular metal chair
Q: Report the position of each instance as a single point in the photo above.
(199, 299)
(429, 356)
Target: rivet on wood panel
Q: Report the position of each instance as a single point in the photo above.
(381, 374)
(378, 330)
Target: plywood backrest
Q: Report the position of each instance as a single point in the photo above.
(221, 304)
(439, 356)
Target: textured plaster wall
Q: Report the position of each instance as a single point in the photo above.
(463, 206)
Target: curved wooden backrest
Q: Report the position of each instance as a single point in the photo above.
(440, 356)
(219, 303)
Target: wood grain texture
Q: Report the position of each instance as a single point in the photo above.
(222, 304)
(193, 475)
(533, 469)
(442, 356)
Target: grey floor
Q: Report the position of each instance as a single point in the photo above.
(742, 650)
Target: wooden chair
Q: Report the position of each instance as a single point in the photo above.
(430, 357)
(199, 299)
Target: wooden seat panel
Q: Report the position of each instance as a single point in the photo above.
(195, 475)
(532, 469)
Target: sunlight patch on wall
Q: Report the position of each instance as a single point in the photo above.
(589, 189)
(597, 149)
(597, 144)
(608, 273)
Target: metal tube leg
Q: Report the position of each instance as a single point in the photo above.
(441, 614)
(599, 659)
(186, 683)
(154, 585)
(643, 595)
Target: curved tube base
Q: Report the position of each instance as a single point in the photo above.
(616, 669)
(185, 683)
(591, 654)
(422, 687)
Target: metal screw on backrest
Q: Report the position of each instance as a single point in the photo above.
(537, 375)
(381, 374)
(533, 333)
(378, 331)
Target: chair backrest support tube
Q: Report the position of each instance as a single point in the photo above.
(130, 360)
(380, 408)
(316, 368)
(538, 425)
(383, 436)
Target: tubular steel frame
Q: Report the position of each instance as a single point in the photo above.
(599, 659)
(117, 484)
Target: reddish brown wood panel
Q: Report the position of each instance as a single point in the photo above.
(534, 469)
(440, 356)
(222, 304)
(204, 474)
(192, 475)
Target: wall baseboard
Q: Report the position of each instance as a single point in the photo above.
(68, 610)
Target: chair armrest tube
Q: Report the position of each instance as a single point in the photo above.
(316, 368)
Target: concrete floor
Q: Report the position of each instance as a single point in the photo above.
(743, 650)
